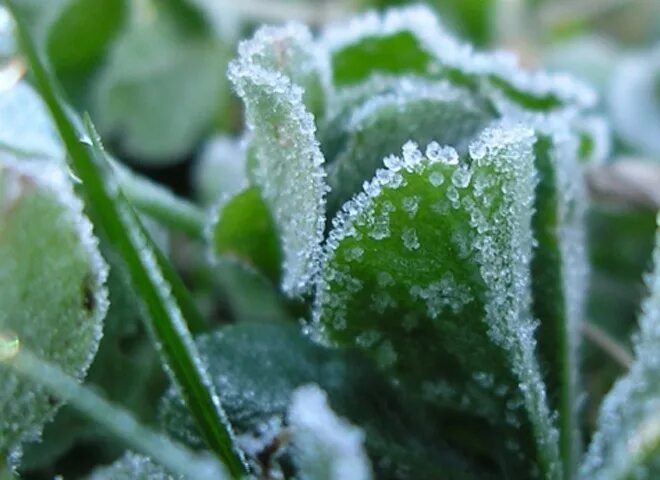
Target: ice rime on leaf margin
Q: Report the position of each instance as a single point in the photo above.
(289, 167)
(627, 441)
(325, 447)
(423, 23)
(508, 306)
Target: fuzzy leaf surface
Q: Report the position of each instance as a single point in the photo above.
(53, 288)
(288, 163)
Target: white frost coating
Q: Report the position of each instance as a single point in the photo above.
(626, 443)
(502, 250)
(26, 126)
(326, 447)
(448, 52)
(634, 101)
(289, 167)
(53, 179)
(132, 466)
(221, 168)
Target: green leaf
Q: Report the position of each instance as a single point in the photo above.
(147, 268)
(411, 109)
(257, 367)
(124, 345)
(243, 229)
(559, 279)
(288, 161)
(79, 35)
(291, 51)
(627, 441)
(161, 89)
(326, 447)
(52, 283)
(410, 40)
(251, 296)
(427, 271)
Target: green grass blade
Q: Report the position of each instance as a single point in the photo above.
(119, 222)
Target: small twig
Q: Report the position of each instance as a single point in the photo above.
(629, 183)
(607, 344)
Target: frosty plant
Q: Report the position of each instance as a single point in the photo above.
(418, 207)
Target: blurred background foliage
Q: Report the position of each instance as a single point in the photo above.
(152, 73)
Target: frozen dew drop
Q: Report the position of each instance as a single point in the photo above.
(393, 163)
(477, 150)
(410, 240)
(411, 155)
(411, 204)
(461, 177)
(433, 151)
(436, 179)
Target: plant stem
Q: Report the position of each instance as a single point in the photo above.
(121, 423)
(607, 344)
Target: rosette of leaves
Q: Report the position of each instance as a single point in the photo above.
(425, 201)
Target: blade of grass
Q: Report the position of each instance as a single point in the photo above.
(116, 217)
(174, 457)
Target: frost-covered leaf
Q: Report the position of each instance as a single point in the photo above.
(427, 270)
(161, 88)
(220, 169)
(288, 161)
(124, 345)
(243, 229)
(133, 466)
(626, 444)
(52, 283)
(325, 446)
(410, 40)
(410, 109)
(256, 368)
(291, 51)
(559, 277)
